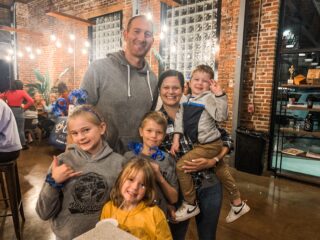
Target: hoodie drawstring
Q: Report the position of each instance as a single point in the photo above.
(148, 79)
(129, 81)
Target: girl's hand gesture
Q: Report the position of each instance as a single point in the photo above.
(61, 173)
(215, 88)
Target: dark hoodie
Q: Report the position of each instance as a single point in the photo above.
(123, 94)
(77, 207)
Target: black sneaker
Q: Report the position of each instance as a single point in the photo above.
(25, 147)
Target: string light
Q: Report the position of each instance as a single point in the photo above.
(53, 37)
(38, 51)
(164, 28)
(10, 51)
(84, 51)
(149, 16)
(86, 44)
(72, 37)
(70, 50)
(58, 44)
(28, 49)
(20, 54)
(31, 56)
(8, 58)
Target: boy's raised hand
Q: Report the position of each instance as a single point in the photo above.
(61, 173)
(215, 88)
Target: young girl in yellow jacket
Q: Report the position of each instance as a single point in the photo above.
(133, 202)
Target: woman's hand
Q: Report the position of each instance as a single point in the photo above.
(61, 173)
(172, 213)
(196, 165)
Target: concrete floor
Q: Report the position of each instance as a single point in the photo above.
(280, 209)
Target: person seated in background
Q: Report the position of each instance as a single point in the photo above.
(10, 145)
(18, 100)
(48, 108)
(39, 104)
(63, 92)
(31, 123)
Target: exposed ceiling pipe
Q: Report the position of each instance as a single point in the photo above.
(251, 105)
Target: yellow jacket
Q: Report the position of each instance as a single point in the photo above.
(146, 223)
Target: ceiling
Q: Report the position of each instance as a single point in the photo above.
(10, 2)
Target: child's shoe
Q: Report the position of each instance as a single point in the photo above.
(236, 212)
(186, 211)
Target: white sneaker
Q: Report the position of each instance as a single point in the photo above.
(236, 212)
(186, 211)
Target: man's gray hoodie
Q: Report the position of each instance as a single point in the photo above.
(123, 94)
(77, 207)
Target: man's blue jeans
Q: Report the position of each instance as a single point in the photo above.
(207, 220)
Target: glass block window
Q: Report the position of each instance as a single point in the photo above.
(191, 36)
(106, 35)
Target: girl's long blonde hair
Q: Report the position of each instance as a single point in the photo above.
(131, 169)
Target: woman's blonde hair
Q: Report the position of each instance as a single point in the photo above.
(131, 169)
(158, 117)
(88, 112)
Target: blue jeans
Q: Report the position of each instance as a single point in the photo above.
(19, 116)
(210, 200)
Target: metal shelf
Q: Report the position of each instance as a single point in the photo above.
(301, 133)
(301, 86)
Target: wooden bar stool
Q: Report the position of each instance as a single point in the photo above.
(12, 190)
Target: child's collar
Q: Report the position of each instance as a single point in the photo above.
(136, 148)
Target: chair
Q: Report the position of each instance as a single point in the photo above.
(10, 172)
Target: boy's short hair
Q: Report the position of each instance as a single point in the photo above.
(204, 68)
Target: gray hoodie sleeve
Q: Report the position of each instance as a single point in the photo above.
(178, 122)
(217, 107)
(91, 83)
(49, 202)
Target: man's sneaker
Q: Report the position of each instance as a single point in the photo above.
(236, 212)
(186, 211)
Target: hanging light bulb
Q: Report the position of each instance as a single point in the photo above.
(164, 28)
(28, 49)
(58, 44)
(86, 44)
(38, 51)
(20, 54)
(84, 51)
(70, 50)
(149, 16)
(8, 58)
(10, 51)
(53, 37)
(31, 56)
(161, 35)
(72, 37)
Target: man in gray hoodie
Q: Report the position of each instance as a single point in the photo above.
(122, 86)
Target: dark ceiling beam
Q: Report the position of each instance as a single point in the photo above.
(70, 18)
(5, 6)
